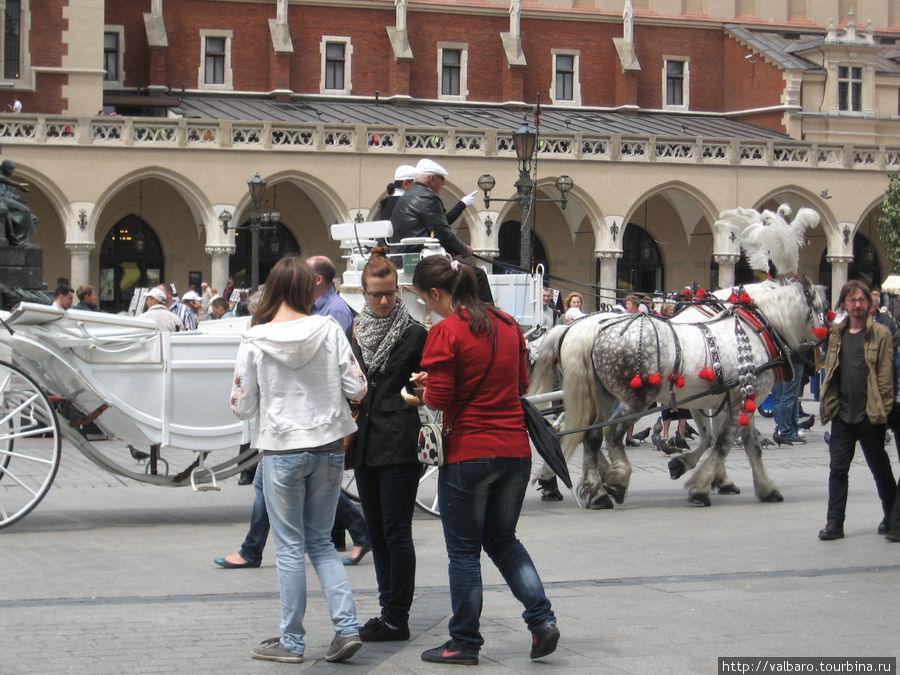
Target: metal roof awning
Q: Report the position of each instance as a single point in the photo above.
(553, 119)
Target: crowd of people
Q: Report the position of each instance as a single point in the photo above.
(307, 366)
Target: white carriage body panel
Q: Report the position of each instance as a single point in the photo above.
(161, 387)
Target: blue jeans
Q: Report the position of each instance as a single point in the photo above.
(480, 502)
(786, 398)
(255, 541)
(348, 517)
(388, 497)
(301, 491)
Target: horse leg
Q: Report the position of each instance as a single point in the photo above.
(596, 467)
(619, 473)
(700, 483)
(766, 490)
(680, 465)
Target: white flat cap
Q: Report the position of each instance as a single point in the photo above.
(405, 172)
(429, 167)
(157, 295)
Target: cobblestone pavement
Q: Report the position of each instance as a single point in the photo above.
(109, 576)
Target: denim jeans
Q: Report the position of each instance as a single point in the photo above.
(388, 497)
(255, 541)
(842, 448)
(349, 518)
(480, 501)
(786, 398)
(301, 491)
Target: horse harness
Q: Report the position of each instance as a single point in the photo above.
(750, 315)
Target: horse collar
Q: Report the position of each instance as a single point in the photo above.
(777, 352)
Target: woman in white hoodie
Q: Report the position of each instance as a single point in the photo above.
(293, 376)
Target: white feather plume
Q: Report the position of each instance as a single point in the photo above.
(767, 236)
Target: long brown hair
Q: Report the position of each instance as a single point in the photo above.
(378, 265)
(458, 279)
(291, 281)
(851, 287)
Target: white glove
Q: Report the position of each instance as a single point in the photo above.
(469, 199)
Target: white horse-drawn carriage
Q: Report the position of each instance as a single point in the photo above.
(156, 397)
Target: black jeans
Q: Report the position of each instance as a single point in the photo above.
(388, 498)
(842, 447)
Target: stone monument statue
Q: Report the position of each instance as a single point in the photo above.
(19, 224)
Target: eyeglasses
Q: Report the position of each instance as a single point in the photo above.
(378, 295)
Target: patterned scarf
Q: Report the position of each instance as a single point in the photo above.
(377, 335)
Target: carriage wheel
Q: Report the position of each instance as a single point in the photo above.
(427, 496)
(30, 444)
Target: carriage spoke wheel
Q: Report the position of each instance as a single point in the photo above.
(427, 495)
(30, 444)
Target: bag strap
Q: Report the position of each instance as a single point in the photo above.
(477, 386)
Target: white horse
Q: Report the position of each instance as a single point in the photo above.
(636, 359)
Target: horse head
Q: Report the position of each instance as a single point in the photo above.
(798, 311)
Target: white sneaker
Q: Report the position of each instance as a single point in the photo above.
(801, 433)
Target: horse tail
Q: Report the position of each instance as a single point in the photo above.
(583, 394)
(544, 375)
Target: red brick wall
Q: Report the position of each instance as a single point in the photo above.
(47, 49)
(720, 78)
(130, 14)
(752, 83)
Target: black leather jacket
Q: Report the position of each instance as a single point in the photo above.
(420, 213)
(388, 428)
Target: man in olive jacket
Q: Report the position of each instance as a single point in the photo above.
(857, 395)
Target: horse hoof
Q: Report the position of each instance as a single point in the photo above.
(730, 489)
(699, 499)
(773, 497)
(616, 493)
(600, 502)
(676, 468)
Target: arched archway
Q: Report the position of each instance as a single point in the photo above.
(274, 244)
(509, 237)
(865, 265)
(640, 268)
(131, 256)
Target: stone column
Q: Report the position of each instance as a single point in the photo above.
(839, 265)
(80, 252)
(608, 263)
(219, 256)
(726, 261)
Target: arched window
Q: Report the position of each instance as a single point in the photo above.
(864, 266)
(273, 246)
(130, 257)
(508, 240)
(640, 269)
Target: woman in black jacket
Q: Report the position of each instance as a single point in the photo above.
(388, 343)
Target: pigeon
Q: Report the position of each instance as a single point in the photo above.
(641, 435)
(139, 455)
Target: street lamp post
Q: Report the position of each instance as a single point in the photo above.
(258, 221)
(525, 141)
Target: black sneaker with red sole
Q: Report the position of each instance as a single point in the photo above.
(450, 652)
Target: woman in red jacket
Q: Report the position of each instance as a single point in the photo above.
(475, 363)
